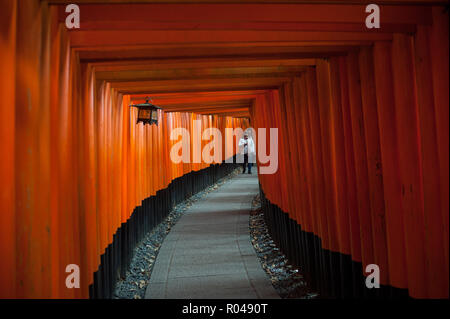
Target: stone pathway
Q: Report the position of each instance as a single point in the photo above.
(208, 253)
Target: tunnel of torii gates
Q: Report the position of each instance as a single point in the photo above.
(362, 118)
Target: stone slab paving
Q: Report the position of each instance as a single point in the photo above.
(208, 253)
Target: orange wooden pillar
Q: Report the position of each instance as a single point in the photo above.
(338, 156)
(340, 172)
(258, 120)
(374, 165)
(296, 176)
(306, 177)
(88, 219)
(288, 138)
(8, 16)
(65, 231)
(280, 110)
(326, 126)
(316, 141)
(324, 106)
(390, 164)
(352, 198)
(32, 165)
(434, 226)
(273, 182)
(303, 168)
(310, 182)
(311, 87)
(360, 162)
(405, 96)
(277, 115)
(56, 74)
(439, 56)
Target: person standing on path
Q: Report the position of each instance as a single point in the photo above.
(247, 147)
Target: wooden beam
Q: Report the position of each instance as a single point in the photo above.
(100, 38)
(384, 2)
(167, 86)
(197, 73)
(247, 50)
(95, 14)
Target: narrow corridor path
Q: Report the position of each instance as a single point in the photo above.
(208, 253)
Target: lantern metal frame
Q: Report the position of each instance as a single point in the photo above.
(147, 107)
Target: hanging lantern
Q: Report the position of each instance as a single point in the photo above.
(147, 112)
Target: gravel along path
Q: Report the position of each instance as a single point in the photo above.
(287, 280)
(133, 286)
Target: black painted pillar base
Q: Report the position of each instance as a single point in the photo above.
(332, 274)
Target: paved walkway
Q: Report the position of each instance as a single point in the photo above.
(208, 253)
